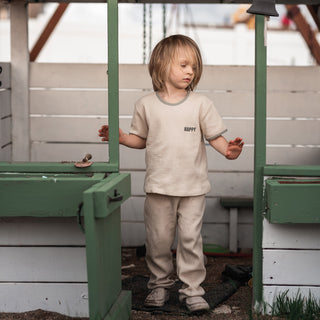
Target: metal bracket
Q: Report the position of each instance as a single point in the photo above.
(116, 196)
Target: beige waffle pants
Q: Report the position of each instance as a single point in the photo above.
(163, 216)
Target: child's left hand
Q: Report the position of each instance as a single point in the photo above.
(234, 148)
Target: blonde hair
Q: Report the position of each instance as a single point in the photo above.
(164, 54)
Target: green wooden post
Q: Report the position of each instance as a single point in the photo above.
(102, 217)
(113, 82)
(259, 155)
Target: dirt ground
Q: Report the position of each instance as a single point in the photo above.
(236, 307)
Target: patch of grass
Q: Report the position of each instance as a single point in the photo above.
(296, 308)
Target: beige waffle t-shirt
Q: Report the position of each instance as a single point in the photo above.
(176, 160)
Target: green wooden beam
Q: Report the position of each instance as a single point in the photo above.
(103, 244)
(113, 81)
(56, 167)
(44, 195)
(291, 171)
(259, 155)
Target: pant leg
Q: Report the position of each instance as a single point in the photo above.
(190, 261)
(160, 223)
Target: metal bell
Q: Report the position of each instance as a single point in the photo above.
(264, 7)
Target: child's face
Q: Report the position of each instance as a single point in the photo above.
(182, 70)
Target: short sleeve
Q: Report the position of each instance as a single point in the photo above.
(211, 123)
(139, 125)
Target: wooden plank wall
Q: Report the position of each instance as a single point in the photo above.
(45, 257)
(5, 112)
(74, 100)
(68, 104)
(291, 257)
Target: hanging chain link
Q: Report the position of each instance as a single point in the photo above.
(164, 29)
(164, 13)
(144, 35)
(150, 28)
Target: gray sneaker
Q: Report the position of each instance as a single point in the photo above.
(196, 304)
(157, 297)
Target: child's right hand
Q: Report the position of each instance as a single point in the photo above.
(104, 133)
(129, 140)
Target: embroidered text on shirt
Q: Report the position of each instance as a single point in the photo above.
(190, 129)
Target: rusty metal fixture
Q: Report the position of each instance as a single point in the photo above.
(85, 162)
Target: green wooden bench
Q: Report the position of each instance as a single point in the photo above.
(233, 204)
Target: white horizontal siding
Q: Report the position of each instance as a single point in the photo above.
(43, 264)
(291, 236)
(132, 159)
(65, 298)
(29, 231)
(229, 103)
(85, 129)
(291, 256)
(291, 267)
(5, 113)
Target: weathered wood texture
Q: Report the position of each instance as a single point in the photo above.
(20, 82)
(5, 112)
(291, 257)
(65, 298)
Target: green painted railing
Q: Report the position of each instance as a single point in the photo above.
(259, 154)
(113, 83)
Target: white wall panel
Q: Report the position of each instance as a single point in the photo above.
(29, 231)
(43, 264)
(66, 298)
(291, 267)
(291, 236)
(85, 129)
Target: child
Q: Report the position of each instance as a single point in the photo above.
(171, 123)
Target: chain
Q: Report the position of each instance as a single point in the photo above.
(150, 28)
(164, 28)
(144, 34)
